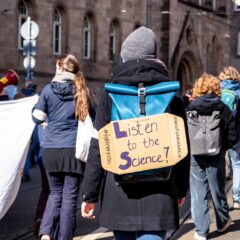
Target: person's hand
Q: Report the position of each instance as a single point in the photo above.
(181, 201)
(44, 125)
(87, 210)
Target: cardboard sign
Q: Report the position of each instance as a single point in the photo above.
(145, 143)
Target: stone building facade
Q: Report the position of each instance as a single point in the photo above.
(193, 35)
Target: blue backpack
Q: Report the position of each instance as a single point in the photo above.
(132, 102)
(230, 98)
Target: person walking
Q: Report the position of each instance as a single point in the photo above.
(38, 143)
(207, 172)
(230, 80)
(141, 210)
(62, 102)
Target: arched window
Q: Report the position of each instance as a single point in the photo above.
(220, 56)
(57, 32)
(214, 55)
(86, 38)
(112, 42)
(209, 59)
(23, 14)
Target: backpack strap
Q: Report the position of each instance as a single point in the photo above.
(142, 95)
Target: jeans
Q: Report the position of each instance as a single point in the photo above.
(228, 165)
(208, 173)
(59, 219)
(139, 235)
(235, 159)
(42, 200)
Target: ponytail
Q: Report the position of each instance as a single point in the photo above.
(82, 97)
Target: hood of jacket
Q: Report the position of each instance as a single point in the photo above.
(135, 71)
(206, 104)
(63, 86)
(230, 84)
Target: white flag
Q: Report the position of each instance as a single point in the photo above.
(16, 127)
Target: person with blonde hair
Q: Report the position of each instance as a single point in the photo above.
(229, 73)
(230, 81)
(207, 171)
(63, 102)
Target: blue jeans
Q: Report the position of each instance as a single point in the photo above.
(43, 197)
(208, 173)
(59, 218)
(235, 160)
(139, 235)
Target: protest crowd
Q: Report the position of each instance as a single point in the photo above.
(137, 151)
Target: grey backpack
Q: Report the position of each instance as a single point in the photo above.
(204, 133)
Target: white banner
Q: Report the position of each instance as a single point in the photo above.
(16, 127)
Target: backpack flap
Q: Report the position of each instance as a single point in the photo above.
(125, 99)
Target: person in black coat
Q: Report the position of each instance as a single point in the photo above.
(136, 209)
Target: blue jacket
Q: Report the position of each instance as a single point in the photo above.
(56, 103)
(231, 85)
(234, 86)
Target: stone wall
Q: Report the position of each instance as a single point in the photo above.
(189, 40)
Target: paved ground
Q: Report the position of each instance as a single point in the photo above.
(186, 231)
(18, 223)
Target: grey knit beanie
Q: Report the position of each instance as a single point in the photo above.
(140, 44)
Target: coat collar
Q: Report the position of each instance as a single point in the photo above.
(136, 71)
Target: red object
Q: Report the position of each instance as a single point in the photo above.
(11, 78)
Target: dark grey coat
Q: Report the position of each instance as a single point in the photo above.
(140, 206)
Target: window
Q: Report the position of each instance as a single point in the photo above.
(86, 38)
(220, 6)
(215, 55)
(23, 14)
(57, 31)
(112, 42)
(209, 58)
(238, 44)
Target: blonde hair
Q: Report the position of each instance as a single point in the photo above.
(82, 97)
(230, 73)
(206, 84)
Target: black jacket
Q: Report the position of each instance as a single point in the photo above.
(205, 105)
(140, 206)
